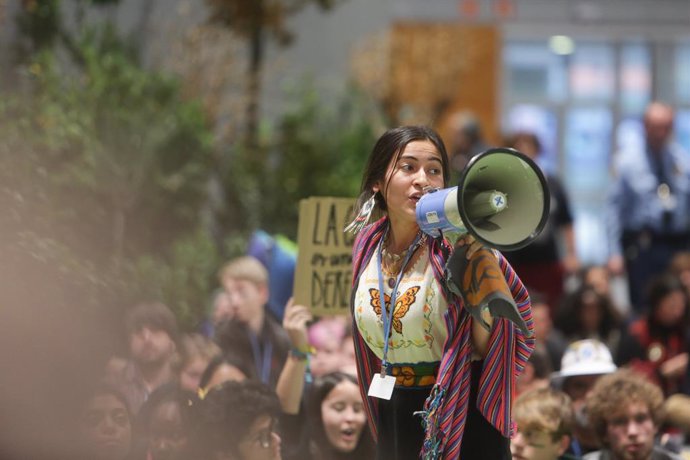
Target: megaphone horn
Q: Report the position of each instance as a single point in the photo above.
(502, 200)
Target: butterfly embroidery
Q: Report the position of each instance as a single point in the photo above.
(402, 305)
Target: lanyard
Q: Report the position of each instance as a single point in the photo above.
(262, 363)
(387, 315)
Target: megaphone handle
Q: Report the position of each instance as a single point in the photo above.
(482, 286)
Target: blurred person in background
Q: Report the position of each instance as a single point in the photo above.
(587, 314)
(219, 311)
(165, 423)
(626, 411)
(467, 140)
(599, 278)
(152, 332)
(105, 426)
(584, 362)
(657, 344)
(326, 419)
(237, 421)
(338, 424)
(550, 337)
(648, 206)
(326, 335)
(348, 361)
(537, 372)
(544, 419)
(680, 266)
(245, 280)
(543, 264)
(195, 353)
(596, 276)
(226, 367)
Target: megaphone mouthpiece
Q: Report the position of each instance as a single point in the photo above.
(487, 203)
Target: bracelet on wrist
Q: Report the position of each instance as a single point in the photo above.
(302, 354)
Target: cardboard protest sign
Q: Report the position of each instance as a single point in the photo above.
(323, 275)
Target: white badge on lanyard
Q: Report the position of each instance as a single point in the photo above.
(382, 387)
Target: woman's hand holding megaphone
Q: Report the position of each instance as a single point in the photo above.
(473, 273)
(472, 245)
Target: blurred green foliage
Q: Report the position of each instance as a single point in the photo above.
(105, 169)
(319, 149)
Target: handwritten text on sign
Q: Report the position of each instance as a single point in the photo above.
(324, 260)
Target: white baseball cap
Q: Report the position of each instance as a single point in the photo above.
(584, 357)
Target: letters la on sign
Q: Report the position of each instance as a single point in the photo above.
(323, 276)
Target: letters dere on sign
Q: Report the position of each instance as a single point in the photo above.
(331, 289)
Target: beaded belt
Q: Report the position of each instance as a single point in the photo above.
(415, 375)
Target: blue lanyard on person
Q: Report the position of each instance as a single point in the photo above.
(262, 363)
(387, 313)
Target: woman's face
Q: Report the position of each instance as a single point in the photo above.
(167, 434)
(191, 373)
(671, 308)
(343, 416)
(418, 166)
(599, 279)
(225, 373)
(106, 428)
(261, 441)
(590, 312)
(327, 359)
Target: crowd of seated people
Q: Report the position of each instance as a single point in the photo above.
(253, 387)
(243, 386)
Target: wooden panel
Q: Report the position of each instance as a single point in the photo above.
(438, 69)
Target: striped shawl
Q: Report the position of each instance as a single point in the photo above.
(445, 411)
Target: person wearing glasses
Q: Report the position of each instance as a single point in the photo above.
(238, 421)
(544, 420)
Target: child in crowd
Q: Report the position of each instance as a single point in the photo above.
(544, 420)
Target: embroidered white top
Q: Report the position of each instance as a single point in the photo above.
(419, 330)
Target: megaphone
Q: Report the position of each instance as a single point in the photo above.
(502, 200)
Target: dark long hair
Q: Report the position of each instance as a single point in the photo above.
(323, 449)
(569, 321)
(105, 389)
(167, 393)
(657, 290)
(230, 358)
(224, 417)
(388, 149)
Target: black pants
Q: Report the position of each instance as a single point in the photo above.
(401, 433)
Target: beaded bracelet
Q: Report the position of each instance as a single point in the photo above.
(302, 355)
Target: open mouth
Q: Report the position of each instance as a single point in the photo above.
(348, 434)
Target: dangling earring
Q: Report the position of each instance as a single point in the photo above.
(363, 216)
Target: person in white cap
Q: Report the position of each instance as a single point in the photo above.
(583, 363)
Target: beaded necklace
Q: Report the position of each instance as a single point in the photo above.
(394, 261)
